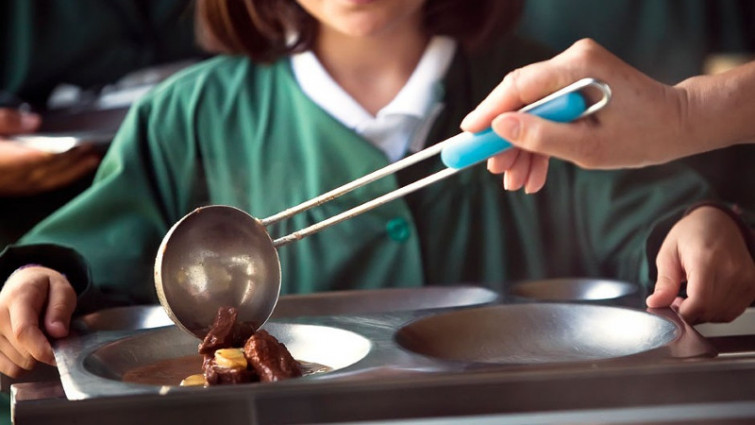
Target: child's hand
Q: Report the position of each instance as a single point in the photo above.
(31, 294)
(707, 250)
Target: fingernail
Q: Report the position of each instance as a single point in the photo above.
(506, 183)
(468, 119)
(507, 127)
(58, 326)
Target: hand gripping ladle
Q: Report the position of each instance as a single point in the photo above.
(221, 256)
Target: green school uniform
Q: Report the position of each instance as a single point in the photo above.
(88, 43)
(233, 132)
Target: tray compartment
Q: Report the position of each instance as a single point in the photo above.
(332, 347)
(538, 333)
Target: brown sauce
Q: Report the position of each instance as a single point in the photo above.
(172, 371)
(165, 372)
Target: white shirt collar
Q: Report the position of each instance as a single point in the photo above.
(420, 92)
(417, 99)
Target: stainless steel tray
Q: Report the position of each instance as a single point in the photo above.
(119, 332)
(404, 344)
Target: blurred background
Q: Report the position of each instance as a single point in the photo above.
(81, 63)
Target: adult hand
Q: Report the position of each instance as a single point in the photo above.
(520, 169)
(28, 296)
(707, 250)
(642, 125)
(27, 171)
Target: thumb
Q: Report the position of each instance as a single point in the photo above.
(60, 306)
(670, 276)
(665, 292)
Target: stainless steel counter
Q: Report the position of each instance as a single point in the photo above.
(651, 392)
(688, 387)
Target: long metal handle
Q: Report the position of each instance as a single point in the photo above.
(374, 203)
(412, 159)
(354, 184)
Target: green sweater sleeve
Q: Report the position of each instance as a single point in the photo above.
(118, 223)
(64, 260)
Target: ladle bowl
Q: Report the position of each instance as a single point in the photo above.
(217, 256)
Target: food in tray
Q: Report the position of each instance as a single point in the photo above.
(218, 348)
(234, 353)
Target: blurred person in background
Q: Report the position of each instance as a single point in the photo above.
(86, 44)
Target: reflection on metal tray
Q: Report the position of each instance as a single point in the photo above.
(584, 290)
(401, 344)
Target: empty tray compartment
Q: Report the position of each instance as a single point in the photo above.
(539, 333)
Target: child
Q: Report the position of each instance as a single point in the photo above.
(313, 94)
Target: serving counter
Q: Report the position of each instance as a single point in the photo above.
(419, 356)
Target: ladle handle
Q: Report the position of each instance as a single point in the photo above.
(565, 105)
(480, 146)
(458, 152)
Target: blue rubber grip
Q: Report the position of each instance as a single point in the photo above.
(466, 151)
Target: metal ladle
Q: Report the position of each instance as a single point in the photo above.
(221, 256)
